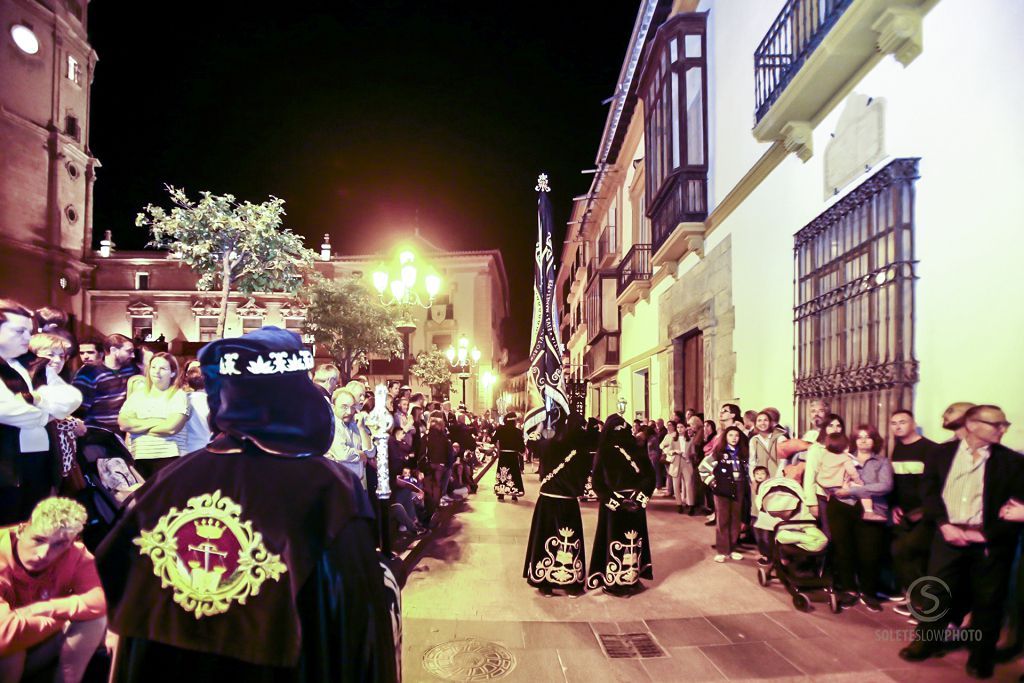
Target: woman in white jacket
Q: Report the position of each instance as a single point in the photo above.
(32, 396)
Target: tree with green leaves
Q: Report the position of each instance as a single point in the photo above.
(432, 368)
(349, 322)
(231, 245)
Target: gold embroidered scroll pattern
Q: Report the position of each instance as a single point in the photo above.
(563, 565)
(208, 555)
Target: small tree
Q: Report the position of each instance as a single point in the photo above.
(346, 319)
(432, 368)
(230, 244)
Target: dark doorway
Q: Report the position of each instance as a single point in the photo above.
(689, 363)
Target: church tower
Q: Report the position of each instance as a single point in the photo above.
(46, 168)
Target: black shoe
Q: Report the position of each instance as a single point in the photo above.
(711, 523)
(501, 498)
(917, 651)
(978, 667)
(871, 602)
(681, 509)
(693, 511)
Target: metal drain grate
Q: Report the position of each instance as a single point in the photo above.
(630, 646)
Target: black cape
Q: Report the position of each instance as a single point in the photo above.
(322, 611)
(555, 552)
(624, 480)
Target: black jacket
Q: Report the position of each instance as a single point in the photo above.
(509, 438)
(1004, 479)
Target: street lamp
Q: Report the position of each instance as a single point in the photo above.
(106, 244)
(400, 284)
(325, 248)
(462, 361)
(622, 406)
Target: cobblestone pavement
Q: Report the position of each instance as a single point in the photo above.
(712, 621)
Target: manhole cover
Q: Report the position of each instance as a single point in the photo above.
(630, 646)
(468, 660)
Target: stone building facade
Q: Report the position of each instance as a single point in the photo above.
(770, 231)
(46, 167)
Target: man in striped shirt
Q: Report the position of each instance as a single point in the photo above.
(104, 386)
(967, 483)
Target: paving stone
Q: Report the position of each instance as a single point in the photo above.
(591, 666)
(818, 656)
(749, 660)
(684, 632)
(508, 633)
(682, 664)
(747, 628)
(797, 623)
(559, 635)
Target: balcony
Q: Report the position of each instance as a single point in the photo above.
(678, 216)
(634, 275)
(816, 51)
(602, 357)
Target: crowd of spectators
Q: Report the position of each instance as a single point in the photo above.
(896, 516)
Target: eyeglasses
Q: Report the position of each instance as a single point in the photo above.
(1001, 424)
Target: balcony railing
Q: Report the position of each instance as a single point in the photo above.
(797, 31)
(685, 201)
(603, 355)
(635, 265)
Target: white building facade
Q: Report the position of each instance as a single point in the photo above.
(835, 218)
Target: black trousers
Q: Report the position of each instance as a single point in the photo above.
(17, 502)
(911, 544)
(981, 569)
(857, 547)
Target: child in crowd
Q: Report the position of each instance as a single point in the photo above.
(763, 536)
(838, 470)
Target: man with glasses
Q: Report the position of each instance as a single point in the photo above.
(348, 447)
(967, 486)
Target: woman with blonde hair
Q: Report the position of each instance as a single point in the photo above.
(55, 349)
(154, 416)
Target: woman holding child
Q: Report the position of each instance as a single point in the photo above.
(857, 512)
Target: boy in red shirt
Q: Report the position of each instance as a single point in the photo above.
(52, 608)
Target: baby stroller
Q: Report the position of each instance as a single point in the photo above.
(110, 478)
(798, 548)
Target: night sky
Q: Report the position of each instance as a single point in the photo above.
(365, 117)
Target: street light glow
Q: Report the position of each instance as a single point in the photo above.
(380, 280)
(409, 276)
(406, 257)
(398, 289)
(433, 284)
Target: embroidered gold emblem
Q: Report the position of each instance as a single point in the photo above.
(208, 555)
(562, 566)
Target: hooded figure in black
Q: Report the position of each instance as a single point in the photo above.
(555, 552)
(508, 440)
(624, 480)
(254, 558)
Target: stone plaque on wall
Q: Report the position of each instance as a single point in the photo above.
(857, 144)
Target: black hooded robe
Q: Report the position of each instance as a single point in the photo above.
(254, 558)
(327, 617)
(555, 551)
(508, 480)
(624, 480)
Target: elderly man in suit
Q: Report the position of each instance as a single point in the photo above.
(968, 486)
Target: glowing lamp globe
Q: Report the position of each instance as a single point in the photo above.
(433, 284)
(25, 38)
(380, 281)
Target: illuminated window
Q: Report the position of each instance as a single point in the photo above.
(207, 328)
(251, 324)
(855, 300)
(74, 71)
(142, 328)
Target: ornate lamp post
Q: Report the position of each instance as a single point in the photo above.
(398, 288)
(462, 361)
